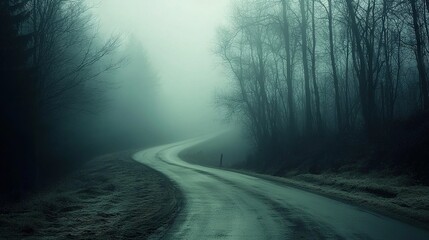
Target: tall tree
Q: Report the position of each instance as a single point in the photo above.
(304, 47)
(334, 68)
(313, 70)
(419, 52)
(363, 63)
(289, 68)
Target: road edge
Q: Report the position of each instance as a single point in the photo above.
(163, 229)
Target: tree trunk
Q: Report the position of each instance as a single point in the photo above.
(347, 122)
(308, 114)
(334, 69)
(289, 83)
(360, 63)
(420, 55)
(313, 70)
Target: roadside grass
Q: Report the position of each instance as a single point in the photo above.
(395, 197)
(112, 197)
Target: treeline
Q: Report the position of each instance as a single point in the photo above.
(55, 92)
(304, 70)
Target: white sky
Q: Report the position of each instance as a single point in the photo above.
(179, 37)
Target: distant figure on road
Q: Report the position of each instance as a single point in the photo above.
(221, 159)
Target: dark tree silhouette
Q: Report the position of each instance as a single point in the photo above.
(17, 98)
(51, 58)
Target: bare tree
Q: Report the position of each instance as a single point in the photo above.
(334, 67)
(304, 26)
(364, 79)
(419, 52)
(289, 69)
(313, 70)
(363, 61)
(67, 52)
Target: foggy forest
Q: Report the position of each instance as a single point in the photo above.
(204, 119)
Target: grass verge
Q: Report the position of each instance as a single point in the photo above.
(396, 197)
(112, 197)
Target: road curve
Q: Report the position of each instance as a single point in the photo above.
(227, 205)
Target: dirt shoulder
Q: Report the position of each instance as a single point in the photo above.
(112, 197)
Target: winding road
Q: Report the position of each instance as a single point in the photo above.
(227, 205)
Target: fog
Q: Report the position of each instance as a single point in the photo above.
(179, 39)
(117, 117)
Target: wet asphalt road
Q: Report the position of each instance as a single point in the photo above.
(227, 205)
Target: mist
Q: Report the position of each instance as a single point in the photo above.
(214, 119)
(178, 39)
